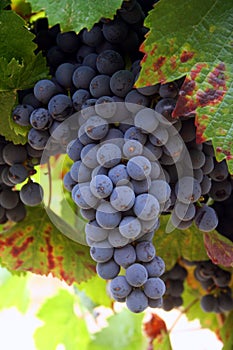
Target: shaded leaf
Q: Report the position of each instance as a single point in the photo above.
(226, 332)
(13, 291)
(37, 245)
(192, 308)
(123, 332)
(186, 243)
(219, 248)
(4, 3)
(61, 324)
(76, 14)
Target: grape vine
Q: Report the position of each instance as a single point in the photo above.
(137, 168)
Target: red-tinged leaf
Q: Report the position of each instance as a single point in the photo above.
(37, 245)
(154, 327)
(207, 92)
(198, 45)
(219, 249)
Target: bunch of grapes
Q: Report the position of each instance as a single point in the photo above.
(17, 166)
(215, 281)
(174, 281)
(132, 161)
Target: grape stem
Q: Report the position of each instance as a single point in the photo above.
(182, 313)
(50, 183)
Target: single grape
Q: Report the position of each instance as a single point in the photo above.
(16, 214)
(21, 114)
(101, 186)
(108, 155)
(31, 194)
(9, 199)
(12, 154)
(17, 173)
(154, 288)
(108, 270)
(96, 127)
(132, 148)
(136, 275)
(155, 267)
(79, 98)
(161, 190)
(107, 216)
(125, 256)
(101, 254)
(138, 167)
(60, 107)
(146, 120)
(116, 239)
(188, 190)
(119, 175)
(133, 133)
(44, 89)
(82, 77)
(119, 287)
(109, 61)
(40, 119)
(84, 198)
(130, 227)
(206, 219)
(146, 207)
(145, 251)
(95, 232)
(208, 303)
(121, 82)
(137, 301)
(80, 172)
(93, 37)
(64, 73)
(105, 107)
(122, 198)
(100, 86)
(89, 155)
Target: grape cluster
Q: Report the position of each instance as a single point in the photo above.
(132, 161)
(141, 285)
(174, 281)
(16, 166)
(215, 281)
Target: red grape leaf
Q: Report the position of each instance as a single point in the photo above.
(219, 248)
(194, 38)
(154, 327)
(36, 245)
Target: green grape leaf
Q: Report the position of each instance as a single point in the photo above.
(96, 289)
(14, 76)
(61, 324)
(9, 284)
(36, 245)
(198, 45)
(186, 243)
(20, 68)
(192, 309)
(219, 249)
(226, 332)
(76, 14)
(4, 3)
(123, 332)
